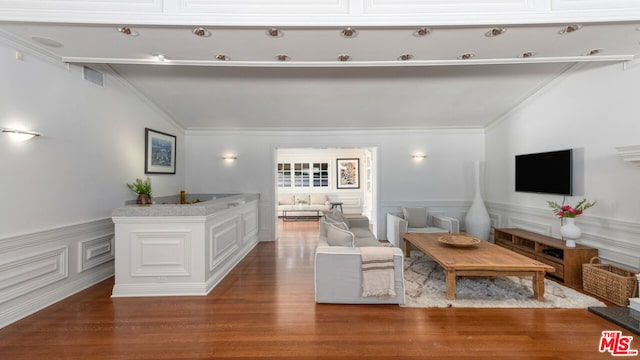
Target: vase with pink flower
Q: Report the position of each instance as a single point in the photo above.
(570, 231)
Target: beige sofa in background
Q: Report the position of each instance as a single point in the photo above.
(292, 202)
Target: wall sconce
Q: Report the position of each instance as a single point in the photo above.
(229, 158)
(418, 157)
(20, 135)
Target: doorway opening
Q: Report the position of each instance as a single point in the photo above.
(345, 177)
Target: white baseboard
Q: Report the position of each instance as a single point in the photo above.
(164, 289)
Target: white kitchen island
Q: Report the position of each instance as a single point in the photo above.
(173, 249)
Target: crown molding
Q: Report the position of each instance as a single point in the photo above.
(630, 154)
(320, 132)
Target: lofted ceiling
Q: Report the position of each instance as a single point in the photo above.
(234, 76)
(339, 98)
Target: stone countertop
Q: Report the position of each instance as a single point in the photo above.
(218, 202)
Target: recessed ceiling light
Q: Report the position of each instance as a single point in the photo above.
(349, 33)
(405, 57)
(222, 57)
(423, 31)
(344, 57)
(570, 29)
(528, 54)
(273, 32)
(495, 32)
(128, 31)
(466, 56)
(200, 31)
(46, 42)
(593, 52)
(159, 56)
(282, 57)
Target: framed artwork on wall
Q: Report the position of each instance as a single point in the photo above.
(159, 152)
(348, 172)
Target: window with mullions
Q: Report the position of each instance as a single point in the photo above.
(320, 175)
(284, 175)
(303, 175)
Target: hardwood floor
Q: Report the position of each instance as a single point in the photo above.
(265, 309)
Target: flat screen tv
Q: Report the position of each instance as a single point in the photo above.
(547, 172)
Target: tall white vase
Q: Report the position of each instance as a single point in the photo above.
(570, 232)
(477, 221)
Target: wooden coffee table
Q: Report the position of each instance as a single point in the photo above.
(484, 259)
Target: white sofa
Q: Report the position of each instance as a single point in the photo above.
(419, 221)
(338, 269)
(292, 202)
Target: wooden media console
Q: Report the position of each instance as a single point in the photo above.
(566, 260)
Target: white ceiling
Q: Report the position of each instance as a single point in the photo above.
(330, 98)
(435, 89)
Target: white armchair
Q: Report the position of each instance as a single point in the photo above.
(417, 220)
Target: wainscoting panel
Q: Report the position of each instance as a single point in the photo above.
(496, 220)
(32, 273)
(529, 225)
(40, 269)
(92, 253)
(161, 253)
(230, 238)
(249, 225)
(223, 238)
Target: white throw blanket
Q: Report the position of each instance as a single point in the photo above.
(377, 271)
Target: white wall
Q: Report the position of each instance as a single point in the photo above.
(58, 190)
(93, 144)
(593, 109)
(444, 178)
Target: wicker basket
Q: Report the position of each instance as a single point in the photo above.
(609, 282)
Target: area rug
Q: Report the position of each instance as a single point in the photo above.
(425, 287)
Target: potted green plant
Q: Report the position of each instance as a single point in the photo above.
(142, 187)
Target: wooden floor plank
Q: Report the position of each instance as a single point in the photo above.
(265, 309)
